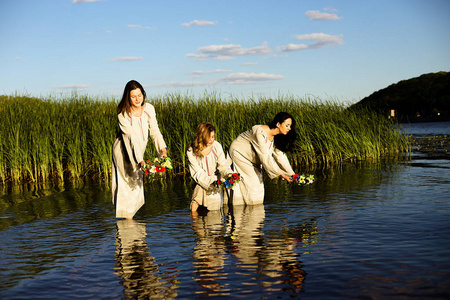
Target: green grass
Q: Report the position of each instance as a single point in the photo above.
(71, 138)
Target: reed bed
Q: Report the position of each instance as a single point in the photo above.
(44, 139)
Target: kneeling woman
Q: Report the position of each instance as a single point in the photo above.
(262, 146)
(207, 163)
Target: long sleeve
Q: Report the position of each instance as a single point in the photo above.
(132, 140)
(283, 162)
(155, 133)
(198, 173)
(222, 163)
(264, 153)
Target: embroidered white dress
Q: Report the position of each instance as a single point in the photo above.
(251, 152)
(205, 170)
(128, 151)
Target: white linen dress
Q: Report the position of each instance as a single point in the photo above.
(128, 151)
(205, 170)
(250, 152)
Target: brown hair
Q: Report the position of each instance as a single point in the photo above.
(202, 137)
(125, 103)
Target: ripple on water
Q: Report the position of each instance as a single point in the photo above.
(380, 232)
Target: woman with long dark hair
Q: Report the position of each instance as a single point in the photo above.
(137, 120)
(262, 147)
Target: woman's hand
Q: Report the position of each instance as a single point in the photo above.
(163, 153)
(287, 178)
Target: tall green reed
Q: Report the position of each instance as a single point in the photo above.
(101, 131)
(75, 126)
(71, 138)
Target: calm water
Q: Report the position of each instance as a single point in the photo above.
(370, 231)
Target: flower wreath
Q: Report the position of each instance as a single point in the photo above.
(303, 179)
(156, 165)
(229, 182)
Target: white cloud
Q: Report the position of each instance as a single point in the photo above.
(322, 38)
(199, 23)
(319, 40)
(138, 27)
(83, 1)
(208, 72)
(197, 56)
(249, 78)
(321, 16)
(180, 84)
(233, 78)
(222, 52)
(125, 58)
(223, 57)
(294, 47)
(250, 64)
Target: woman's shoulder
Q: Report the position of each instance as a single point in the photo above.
(148, 107)
(251, 133)
(217, 145)
(149, 110)
(259, 130)
(191, 156)
(217, 149)
(123, 116)
(258, 127)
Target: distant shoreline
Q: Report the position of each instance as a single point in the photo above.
(424, 119)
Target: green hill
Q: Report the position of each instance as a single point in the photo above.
(423, 98)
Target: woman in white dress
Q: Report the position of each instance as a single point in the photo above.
(207, 164)
(262, 147)
(136, 120)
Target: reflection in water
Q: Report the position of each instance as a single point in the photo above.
(274, 257)
(238, 238)
(209, 252)
(137, 269)
(35, 201)
(383, 234)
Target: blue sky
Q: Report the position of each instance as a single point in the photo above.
(342, 50)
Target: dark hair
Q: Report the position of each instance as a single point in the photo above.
(125, 103)
(202, 137)
(281, 141)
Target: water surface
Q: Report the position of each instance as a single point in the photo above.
(365, 231)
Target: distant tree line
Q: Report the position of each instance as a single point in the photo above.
(421, 99)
